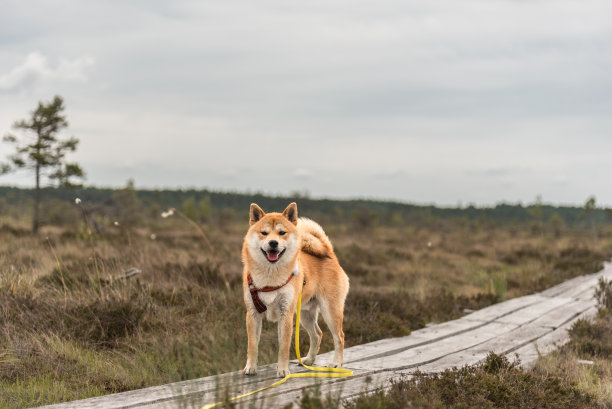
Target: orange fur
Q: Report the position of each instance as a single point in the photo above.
(301, 242)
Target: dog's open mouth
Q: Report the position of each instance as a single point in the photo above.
(273, 255)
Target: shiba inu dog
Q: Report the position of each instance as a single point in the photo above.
(282, 254)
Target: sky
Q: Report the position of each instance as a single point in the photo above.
(422, 101)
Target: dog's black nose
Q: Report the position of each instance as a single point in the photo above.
(273, 243)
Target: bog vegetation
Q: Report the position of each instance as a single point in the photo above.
(111, 296)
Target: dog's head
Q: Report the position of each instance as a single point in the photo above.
(272, 237)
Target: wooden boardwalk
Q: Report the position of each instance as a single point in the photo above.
(525, 326)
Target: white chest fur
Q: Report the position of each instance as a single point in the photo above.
(278, 302)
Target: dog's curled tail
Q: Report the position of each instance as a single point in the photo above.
(313, 239)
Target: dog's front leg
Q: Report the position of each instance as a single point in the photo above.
(253, 325)
(285, 331)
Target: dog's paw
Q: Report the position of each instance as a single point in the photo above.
(334, 365)
(282, 372)
(308, 361)
(249, 370)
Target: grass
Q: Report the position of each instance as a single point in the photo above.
(72, 327)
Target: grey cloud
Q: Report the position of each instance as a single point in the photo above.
(37, 68)
(434, 92)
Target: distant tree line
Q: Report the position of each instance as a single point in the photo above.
(202, 204)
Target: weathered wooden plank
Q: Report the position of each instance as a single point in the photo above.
(589, 293)
(533, 311)
(502, 344)
(208, 385)
(423, 336)
(559, 289)
(587, 287)
(564, 313)
(578, 285)
(497, 311)
(342, 389)
(521, 341)
(280, 395)
(431, 333)
(529, 353)
(426, 353)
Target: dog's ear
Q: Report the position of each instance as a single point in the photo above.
(291, 213)
(255, 214)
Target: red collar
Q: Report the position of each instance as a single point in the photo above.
(259, 305)
(266, 289)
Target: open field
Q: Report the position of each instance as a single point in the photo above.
(72, 327)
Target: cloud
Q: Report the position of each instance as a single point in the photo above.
(36, 68)
(302, 173)
(416, 100)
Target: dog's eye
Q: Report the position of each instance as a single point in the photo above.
(264, 233)
(282, 233)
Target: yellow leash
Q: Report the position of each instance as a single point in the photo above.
(319, 371)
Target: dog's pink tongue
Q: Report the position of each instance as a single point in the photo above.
(272, 255)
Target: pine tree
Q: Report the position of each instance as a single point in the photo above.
(39, 149)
